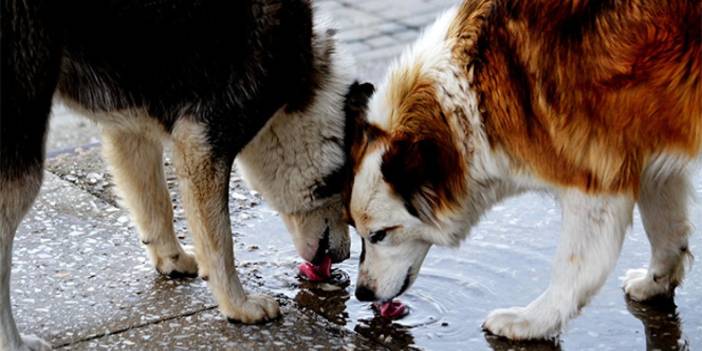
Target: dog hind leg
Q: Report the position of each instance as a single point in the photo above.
(204, 180)
(664, 211)
(593, 232)
(136, 162)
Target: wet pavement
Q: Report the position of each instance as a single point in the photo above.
(506, 262)
(82, 281)
(100, 267)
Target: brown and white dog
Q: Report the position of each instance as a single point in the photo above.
(597, 102)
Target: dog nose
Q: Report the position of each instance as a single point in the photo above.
(364, 294)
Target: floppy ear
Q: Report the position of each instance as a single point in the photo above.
(355, 105)
(355, 134)
(425, 173)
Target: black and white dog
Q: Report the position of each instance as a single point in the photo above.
(260, 80)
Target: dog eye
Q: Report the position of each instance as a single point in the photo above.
(377, 236)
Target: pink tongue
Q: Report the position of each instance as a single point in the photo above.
(315, 273)
(392, 309)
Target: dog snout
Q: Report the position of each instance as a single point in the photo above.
(363, 293)
(407, 282)
(339, 255)
(322, 247)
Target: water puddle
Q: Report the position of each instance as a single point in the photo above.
(505, 263)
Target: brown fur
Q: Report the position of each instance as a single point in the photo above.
(203, 184)
(422, 162)
(136, 149)
(586, 93)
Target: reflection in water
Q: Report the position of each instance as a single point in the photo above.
(458, 287)
(394, 336)
(326, 299)
(330, 301)
(498, 343)
(661, 324)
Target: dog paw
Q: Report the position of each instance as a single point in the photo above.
(179, 265)
(33, 343)
(256, 309)
(640, 286)
(517, 323)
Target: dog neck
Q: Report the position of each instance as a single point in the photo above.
(292, 157)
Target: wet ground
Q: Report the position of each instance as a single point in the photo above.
(82, 281)
(506, 262)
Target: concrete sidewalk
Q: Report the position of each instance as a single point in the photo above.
(81, 280)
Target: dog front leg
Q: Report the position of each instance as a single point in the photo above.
(593, 230)
(16, 197)
(204, 181)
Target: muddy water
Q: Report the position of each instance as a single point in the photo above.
(506, 262)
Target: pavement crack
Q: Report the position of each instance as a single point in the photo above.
(132, 327)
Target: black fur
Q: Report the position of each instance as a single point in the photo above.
(355, 103)
(29, 70)
(227, 64)
(355, 106)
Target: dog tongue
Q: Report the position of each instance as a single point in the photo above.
(392, 309)
(316, 273)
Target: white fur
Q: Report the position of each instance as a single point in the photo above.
(593, 226)
(287, 158)
(375, 207)
(593, 232)
(430, 51)
(664, 211)
(134, 153)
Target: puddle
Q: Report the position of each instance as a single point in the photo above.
(505, 263)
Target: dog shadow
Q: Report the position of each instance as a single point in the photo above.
(661, 324)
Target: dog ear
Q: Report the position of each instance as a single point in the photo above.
(357, 132)
(422, 171)
(355, 105)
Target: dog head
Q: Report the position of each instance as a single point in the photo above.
(399, 199)
(298, 161)
(409, 181)
(300, 164)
